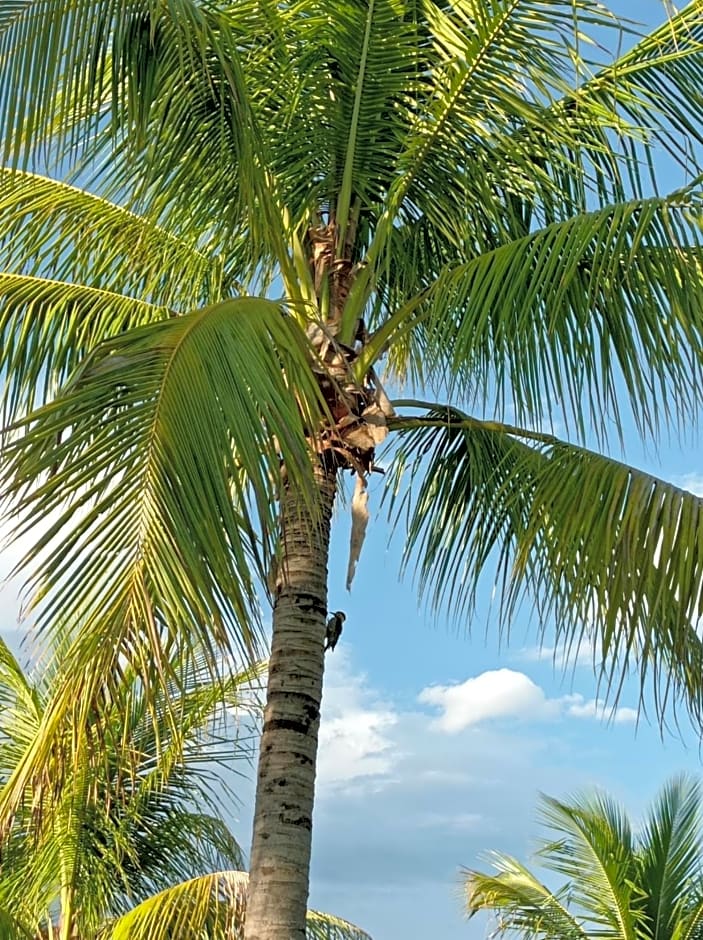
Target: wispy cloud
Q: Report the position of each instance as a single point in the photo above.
(578, 657)
(578, 707)
(693, 482)
(354, 732)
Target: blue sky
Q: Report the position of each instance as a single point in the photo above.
(435, 741)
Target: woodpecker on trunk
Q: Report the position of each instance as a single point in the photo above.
(334, 629)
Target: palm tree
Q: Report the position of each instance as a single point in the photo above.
(261, 202)
(136, 849)
(621, 882)
(112, 832)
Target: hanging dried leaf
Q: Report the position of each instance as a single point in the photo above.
(360, 520)
(380, 396)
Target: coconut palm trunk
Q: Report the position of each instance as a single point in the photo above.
(280, 855)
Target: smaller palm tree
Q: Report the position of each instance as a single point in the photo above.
(622, 883)
(133, 845)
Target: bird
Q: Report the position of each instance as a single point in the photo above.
(334, 629)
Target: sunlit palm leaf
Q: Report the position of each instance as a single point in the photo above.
(160, 464)
(47, 327)
(211, 907)
(655, 87)
(670, 861)
(578, 313)
(118, 823)
(621, 883)
(327, 927)
(524, 904)
(165, 81)
(610, 555)
(48, 225)
(594, 850)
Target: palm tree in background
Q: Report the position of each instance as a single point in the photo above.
(134, 848)
(110, 833)
(622, 882)
(263, 203)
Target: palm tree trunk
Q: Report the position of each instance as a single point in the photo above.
(280, 854)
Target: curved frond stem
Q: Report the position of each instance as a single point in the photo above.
(521, 901)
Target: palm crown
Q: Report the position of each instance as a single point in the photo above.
(621, 882)
(452, 188)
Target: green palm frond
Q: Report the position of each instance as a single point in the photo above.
(620, 883)
(153, 85)
(525, 905)
(669, 863)
(594, 848)
(609, 555)
(212, 906)
(11, 928)
(655, 87)
(374, 80)
(576, 313)
(47, 328)
(159, 466)
(20, 711)
(48, 225)
(148, 518)
(136, 814)
(328, 927)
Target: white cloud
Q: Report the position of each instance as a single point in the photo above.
(499, 693)
(505, 693)
(354, 740)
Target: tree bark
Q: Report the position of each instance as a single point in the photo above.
(280, 855)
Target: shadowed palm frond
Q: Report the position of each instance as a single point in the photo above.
(609, 555)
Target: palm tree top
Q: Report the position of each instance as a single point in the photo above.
(616, 879)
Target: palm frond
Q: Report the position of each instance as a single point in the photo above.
(609, 555)
(212, 906)
(115, 823)
(654, 87)
(83, 238)
(619, 883)
(12, 928)
(670, 855)
(159, 466)
(328, 927)
(148, 85)
(523, 904)
(209, 906)
(593, 847)
(605, 303)
(48, 327)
